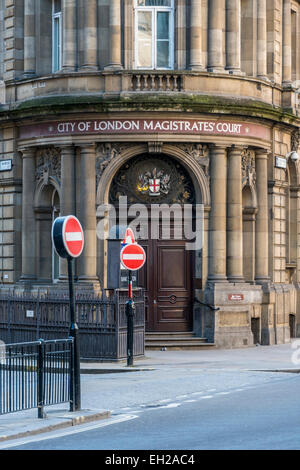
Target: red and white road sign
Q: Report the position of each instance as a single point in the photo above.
(133, 257)
(73, 236)
(129, 237)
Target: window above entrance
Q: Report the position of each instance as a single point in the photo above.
(154, 34)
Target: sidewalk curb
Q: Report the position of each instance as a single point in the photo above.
(66, 422)
(113, 371)
(288, 371)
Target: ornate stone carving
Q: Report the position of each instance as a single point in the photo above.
(149, 179)
(248, 167)
(295, 140)
(48, 164)
(199, 152)
(155, 147)
(105, 153)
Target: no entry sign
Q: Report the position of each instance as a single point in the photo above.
(68, 237)
(133, 257)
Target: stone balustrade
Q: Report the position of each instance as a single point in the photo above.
(105, 83)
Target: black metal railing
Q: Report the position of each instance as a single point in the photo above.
(35, 375)
(102, 320)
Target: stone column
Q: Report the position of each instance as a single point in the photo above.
(69, 11)
(217, 226)
(196, 35)
(233, 39)
(87, 209)
(287, 43)
(28, 216)
(68, 194)
(234, 216)
(29, 38)
(262, 39)
(216, 26)
(115, 36)
(262, 218)
(90, 35)
(68, 190)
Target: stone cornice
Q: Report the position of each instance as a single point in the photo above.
(139, 102)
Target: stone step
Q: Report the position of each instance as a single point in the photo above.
(178, 346)
(177, 340)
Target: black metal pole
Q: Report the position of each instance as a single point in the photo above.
(40, 379)
(130, 313)
(74, 332)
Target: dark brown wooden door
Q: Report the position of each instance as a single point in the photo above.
(167, 278)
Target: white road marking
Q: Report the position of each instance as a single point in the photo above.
(72, 430)
(171, 405)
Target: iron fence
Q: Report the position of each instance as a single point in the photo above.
(35, 375)
(27, 317)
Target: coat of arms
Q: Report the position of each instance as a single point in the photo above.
(154, 183)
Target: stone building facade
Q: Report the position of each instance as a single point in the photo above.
(96, 94)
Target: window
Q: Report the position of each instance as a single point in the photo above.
(56, 35)
(154, 34)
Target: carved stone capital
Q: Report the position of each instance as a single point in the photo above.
(199, 152)
(295, 140)
(248, 167)
(48, 163)
(105, 153)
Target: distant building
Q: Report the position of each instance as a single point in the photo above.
(164, 101)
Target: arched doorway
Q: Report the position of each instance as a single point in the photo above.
(47, 209)
(159, 193)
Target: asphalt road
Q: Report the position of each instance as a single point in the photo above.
(262, 415)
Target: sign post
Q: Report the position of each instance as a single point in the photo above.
(133, 258)
(68, 241)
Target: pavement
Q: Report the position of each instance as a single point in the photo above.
(280, 358)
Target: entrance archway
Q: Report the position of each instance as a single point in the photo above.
(159, 192)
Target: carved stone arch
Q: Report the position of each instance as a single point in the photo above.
(44, 207)
(250, 199)
(110, 169)
(292, 173)
(195, 171)
(42, 188)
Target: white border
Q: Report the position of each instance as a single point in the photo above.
(63, 234)
(129, 269)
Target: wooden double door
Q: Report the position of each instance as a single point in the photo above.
(168, 281)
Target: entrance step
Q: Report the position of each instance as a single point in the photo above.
(175, 341)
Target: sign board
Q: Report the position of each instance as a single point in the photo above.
(129, 237)
(68, 237)
(280, 162)
(5, 165)
(29, 314)
(236, 297)
(146, 126)
(133, 257)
